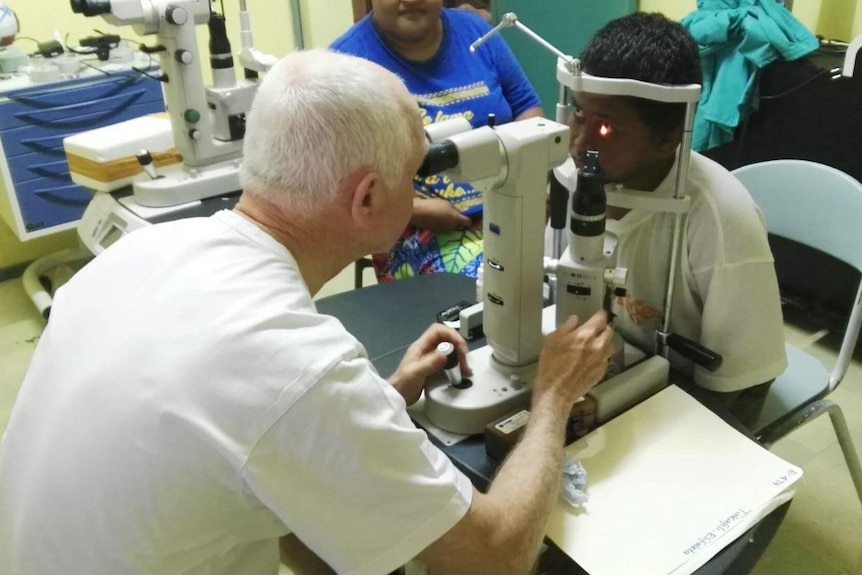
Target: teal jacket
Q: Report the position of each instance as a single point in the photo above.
(737, 37)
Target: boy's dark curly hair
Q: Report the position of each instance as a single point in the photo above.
(651, 48)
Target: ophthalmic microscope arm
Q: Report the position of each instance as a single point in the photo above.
(572, 78)
(510, 164)
(208, 124)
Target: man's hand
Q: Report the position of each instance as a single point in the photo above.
(437, 215)
(422, 360)
(574, 358)
(503, 529)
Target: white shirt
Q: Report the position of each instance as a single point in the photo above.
(726, 294)
(187, 405)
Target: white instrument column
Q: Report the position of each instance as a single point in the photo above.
(514, 223)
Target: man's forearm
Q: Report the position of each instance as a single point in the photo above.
(503, 529)
(529, 479)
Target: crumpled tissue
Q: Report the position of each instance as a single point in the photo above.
(574, 481)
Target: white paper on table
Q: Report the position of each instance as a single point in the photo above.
(670, 484)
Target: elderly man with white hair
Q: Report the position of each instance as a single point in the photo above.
(187, 407)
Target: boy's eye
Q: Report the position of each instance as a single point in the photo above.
(605, 129)
(578, 113)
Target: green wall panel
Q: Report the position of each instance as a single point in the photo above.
(567, 24)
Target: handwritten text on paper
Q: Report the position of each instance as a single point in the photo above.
(727, 523)
(722, 527)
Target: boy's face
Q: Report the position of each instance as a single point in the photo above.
(629, 153)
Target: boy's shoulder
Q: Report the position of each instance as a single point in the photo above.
(708, 177)
(717, 194)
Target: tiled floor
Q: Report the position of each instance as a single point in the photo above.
(821, 535)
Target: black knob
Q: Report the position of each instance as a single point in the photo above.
(184, 56)
(91, 7)
(451, 354)
(176, 15)
(451, 369)
(144, 157)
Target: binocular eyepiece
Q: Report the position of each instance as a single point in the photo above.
(438, 158)
(91, 7)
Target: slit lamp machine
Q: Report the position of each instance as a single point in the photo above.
(207, 122)
(510, 163)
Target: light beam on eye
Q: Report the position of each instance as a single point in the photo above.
(604, 130)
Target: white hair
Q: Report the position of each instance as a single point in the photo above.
(317, 118)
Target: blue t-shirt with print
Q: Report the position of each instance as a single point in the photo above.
(454, 83)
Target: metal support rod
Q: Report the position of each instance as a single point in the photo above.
(679, 192)
(562, 113)
(808, 414)
(506, 21)
(542, 41)
(296, 21)
(851, 458)
(848, 345)
(564, 106)
(510, 19)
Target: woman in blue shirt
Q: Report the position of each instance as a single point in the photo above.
(429, 48)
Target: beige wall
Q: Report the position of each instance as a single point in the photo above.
(14, 252)
(271, 23)
(807, 11)
(838, 19)
(323, 21)
(674, 9)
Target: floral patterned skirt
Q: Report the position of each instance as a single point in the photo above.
(419, 251)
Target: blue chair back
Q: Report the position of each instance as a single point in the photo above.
(810, 203)
(820, 207)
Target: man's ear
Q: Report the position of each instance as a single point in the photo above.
(366, 195)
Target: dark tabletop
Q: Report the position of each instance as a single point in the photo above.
(387, 318)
